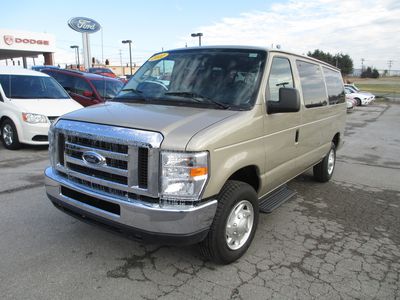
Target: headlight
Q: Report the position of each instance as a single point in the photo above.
(34, 118)
(183, 175)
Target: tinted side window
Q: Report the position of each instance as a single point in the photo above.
(280, 76)
(81, 85)
(312, 84)
(5, 84)
(334, 85)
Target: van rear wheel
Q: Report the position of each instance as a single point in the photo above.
(324, 170)
(234, 224)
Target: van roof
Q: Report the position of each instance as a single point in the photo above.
(257, 48)
(20, 71)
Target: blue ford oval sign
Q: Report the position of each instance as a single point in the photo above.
(93, 158)
(84, 25)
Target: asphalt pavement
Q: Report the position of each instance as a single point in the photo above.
(338, 240)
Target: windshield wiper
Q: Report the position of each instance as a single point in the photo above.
(198, 98)
(133, 91)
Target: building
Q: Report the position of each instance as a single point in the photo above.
(17, 44)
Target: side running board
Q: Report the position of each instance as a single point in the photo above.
(275, 199)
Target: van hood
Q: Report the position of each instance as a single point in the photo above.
(47, 107)
(176, 123)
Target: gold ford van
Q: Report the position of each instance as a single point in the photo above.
(198, 142)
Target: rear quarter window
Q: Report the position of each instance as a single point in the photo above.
(312, 84)
(334, 85)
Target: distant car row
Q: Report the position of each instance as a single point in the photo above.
(356, 97)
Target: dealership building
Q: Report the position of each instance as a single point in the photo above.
(24, 44)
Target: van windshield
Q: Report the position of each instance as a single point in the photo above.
(215, 78)
(31, 87)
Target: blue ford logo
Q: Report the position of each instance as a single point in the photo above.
(93, 158)
(84, 25)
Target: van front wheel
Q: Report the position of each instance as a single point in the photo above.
(9, 135)
(324, 170)
(234, 224)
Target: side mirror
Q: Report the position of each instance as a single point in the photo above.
(289, 101)
(88, 94)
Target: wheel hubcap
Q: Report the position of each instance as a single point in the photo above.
(8, 134)
(239, 225)
(331, 162)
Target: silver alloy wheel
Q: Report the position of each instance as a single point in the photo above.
(331, 161)
(8, 134)
(239, 225)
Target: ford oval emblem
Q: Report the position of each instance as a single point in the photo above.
(93, 158)
(84, 25)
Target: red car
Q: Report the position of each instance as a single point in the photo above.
(102, 71)
(86, 88)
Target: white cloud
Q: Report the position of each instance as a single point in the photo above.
(363, 29)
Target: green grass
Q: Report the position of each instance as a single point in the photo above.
(379, 86)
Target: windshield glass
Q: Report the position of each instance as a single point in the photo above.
(107, 89)
(217, 78)
(31, 87)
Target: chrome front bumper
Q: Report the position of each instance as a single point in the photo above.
(136, 215)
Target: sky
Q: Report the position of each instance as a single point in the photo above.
(363, 29)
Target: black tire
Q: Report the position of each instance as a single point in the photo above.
(215, 245)
(359, 103)
(324, 170)
(9, 135)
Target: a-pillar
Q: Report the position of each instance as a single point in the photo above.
(48, 58)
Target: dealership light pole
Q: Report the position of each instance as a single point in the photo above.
(76, 53)
(130, 51)
(199, 34)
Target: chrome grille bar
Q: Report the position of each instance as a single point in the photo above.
(110, 154)
(104, 168)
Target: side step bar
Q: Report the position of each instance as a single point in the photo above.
(275, 199)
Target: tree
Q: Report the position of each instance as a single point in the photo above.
(375, 73)
(340, 60)
(367, 73)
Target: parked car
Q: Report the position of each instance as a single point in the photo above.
(102, 71)
(361, 99)
(353, 89)
(29, 102)
(86, 88)
(40, 68)
(197, 143)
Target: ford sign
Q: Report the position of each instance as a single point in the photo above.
(93, 158)
(84, 25)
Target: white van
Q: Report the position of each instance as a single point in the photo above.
(29, 102)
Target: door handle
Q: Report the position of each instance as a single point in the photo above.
(296, 138)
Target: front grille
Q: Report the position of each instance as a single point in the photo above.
(98, 174)
(40, 138)
(123, 169)
(98, 144)
(143, 155)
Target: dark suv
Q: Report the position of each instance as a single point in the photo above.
(86, 88)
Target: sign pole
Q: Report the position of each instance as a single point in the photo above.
(86, 50)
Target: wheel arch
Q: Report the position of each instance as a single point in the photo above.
(249, 174)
